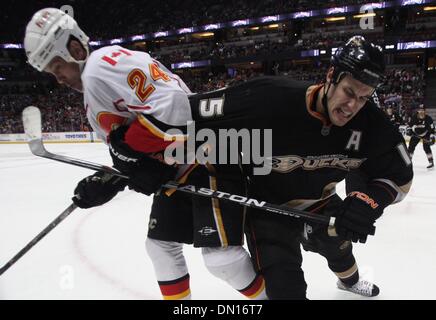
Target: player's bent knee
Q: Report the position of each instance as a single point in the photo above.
(218, 256)
(231, 264)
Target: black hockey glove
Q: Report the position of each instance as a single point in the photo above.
(430, 140)
(97, 189)
(146, 174)
(356, 217)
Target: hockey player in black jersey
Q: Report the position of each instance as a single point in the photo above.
(421, 127)
(394, 116)
(320, 135)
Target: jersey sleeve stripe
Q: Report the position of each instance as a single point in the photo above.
(135, 108)
(157, 131)
(389, 185)
(140, 138)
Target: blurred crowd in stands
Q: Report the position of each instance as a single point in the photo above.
(63, 109)
(139, 17)
(403, 92)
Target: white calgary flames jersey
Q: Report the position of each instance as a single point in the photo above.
(120, 85)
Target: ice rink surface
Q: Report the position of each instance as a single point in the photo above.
(99, 253)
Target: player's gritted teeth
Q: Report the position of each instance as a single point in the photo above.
(341, 115)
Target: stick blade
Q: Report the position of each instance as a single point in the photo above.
(32, 122)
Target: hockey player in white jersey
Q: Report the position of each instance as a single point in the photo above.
(124, 90)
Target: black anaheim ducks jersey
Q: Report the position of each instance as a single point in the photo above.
(309, 157)
(395, 119)
(422, 127)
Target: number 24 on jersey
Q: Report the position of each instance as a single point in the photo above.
(137, 80)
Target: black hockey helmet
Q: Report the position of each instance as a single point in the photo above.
(360, 58)
(420, 111)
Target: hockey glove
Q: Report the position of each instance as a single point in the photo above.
(97, 189)
(430, 140)
(146, 174)
(356, 217)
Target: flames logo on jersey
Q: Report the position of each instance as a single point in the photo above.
(286, 164)
(110, 121)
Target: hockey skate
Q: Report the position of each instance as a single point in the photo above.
(362, 287)
(431, 165)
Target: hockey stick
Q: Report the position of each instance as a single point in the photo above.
(32, 127)
(41, 235)
(31, 122)
(250, 202)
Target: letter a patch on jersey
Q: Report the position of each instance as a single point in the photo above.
(354, 141)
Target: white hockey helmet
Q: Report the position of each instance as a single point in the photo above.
(47, 36)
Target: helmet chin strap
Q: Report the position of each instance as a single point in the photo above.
(325, 130)
(82, 65)
(83, 62)
(324, 101)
